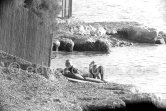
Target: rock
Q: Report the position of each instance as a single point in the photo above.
(81, 30)
(160, 41)
(100, 31)
(56, 44)
(138, 34)
(162, 34)
(111, 32)
(91, 44)
(102, 45)
(92, 30)
(84, 45)
(66, 45)
(73, 29)
(88, 30)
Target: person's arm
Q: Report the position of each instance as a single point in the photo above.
(90, 68)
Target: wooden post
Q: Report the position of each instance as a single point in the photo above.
(65, 9)
(70, 9)
(62, 8)
(71, 6)
(50, 51)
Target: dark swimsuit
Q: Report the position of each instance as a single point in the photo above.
(72, 69)
(74, 73)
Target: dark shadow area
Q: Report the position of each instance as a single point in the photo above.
(141, 106)
(2, 5)
(130, 106)
(54, 48)
(28, 3)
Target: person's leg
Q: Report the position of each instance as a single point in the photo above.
(101, 71)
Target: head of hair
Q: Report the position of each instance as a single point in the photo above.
(68, 62)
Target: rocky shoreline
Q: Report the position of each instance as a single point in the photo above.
(25, 91)
(79, 36)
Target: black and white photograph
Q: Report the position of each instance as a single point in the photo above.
(82, 55)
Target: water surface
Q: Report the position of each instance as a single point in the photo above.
(148, 12)
(140, 65)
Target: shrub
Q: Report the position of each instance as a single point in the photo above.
(46, 10)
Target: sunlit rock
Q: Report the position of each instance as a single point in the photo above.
(160, 41)
(162, 34)
(88, 30)
(100, 31)
(56, 44)
(81, 30)
(111, 31)
(92, 30)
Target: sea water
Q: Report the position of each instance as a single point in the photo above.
(148, 12)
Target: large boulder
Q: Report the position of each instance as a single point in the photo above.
(102, 45)
(138, 34)
(56, 44)
(84, 44)
(91, 44)
(66, 45)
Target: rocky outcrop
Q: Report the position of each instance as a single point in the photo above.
(138, 34)
(66, 45)
(88, 30)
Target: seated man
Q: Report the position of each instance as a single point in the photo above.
(96, 72)
(71, 72)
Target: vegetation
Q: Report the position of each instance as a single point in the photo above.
(46, 10)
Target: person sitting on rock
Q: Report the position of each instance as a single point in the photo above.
(71, 72)
(96, 72)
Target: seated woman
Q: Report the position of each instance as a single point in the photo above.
(71, 72)
(96, 72)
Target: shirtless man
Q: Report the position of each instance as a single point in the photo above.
(96, 72)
